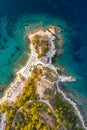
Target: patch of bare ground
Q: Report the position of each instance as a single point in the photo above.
(49, 119)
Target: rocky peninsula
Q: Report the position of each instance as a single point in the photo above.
(34, 101)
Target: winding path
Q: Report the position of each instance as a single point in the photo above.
(2, 123)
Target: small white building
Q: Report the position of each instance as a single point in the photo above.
(45, 59)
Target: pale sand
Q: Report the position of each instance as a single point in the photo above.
(16, 87)
(2, 123)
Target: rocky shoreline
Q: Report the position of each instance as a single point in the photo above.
(35, 61)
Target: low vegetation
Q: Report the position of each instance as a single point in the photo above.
(65, 113)
(32, 117)
(28, 112)
(41, 45)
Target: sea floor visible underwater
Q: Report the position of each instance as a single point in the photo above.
(18, 18)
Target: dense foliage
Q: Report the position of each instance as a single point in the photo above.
(65, 113)
(28, 112)
(41, 45)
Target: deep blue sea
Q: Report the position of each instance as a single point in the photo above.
(16, 15)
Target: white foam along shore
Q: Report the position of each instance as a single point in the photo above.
(73, 104)
(16, 87)
(62, 78)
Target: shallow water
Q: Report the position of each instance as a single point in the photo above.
(16, 16)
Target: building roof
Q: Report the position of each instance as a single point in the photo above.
(47, 83)
(45, 59)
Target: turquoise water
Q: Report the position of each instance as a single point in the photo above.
(13, 44)
(76, 90)
(10, 51)
(16, 16)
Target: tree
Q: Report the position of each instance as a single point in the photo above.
(4, 106)
(49, 111)
(38, 125)
(46, 128)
